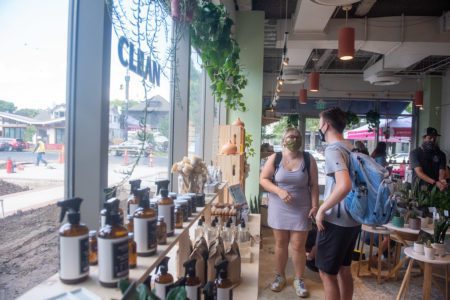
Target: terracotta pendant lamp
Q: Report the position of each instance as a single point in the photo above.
(314, 81)
(418, 98)
(346, 43)
(303, 96)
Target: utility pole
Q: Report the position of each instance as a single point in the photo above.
(127, 97)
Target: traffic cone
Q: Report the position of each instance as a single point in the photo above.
(150, 159)
(9, 166)
(61, 155)
(125, 158)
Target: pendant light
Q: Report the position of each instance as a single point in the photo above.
(418, 96)
(346, 43)
(314, 81)
(303, 96)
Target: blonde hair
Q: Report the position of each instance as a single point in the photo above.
(292, 129)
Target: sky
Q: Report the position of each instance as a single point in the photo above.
(33, 56)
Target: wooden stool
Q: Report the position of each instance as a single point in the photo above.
(381, 231)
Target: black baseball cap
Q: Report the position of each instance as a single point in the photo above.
(431, 132)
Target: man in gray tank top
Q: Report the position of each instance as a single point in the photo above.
(337, 230)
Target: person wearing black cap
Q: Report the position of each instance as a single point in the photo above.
(429, 162)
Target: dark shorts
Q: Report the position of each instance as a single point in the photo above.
(335, 247)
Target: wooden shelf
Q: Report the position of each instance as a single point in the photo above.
(269, 120)
(53, 286)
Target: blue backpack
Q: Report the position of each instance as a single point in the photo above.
(369, 202)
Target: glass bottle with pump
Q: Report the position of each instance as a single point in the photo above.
(145, 225)
(222, 283)
(163, 278)
(166, 209)
(113, 253)
(227, 235)
(243, 239)
(212, 232)
(132, 253)
(132, 202)
(179, 216)
(162, 231)
(193, 283)
(200, 229)
(73, 244)
(93, 248)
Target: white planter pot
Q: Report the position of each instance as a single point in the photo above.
(429, 253)
(418, 248)
(439, 249)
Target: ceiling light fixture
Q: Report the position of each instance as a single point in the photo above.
(346, 43)
(314, 78)
(303, 96)
(418, 96)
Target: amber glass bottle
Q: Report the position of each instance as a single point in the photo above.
(162, 231)
(132, 251)
(93, 248)
(144, 224)
(130, 226)
(179, 216)
(163, 278)
(166, 209)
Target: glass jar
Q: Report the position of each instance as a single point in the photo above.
(179, 217)
(161, 231)
(93, 256)
(132, 251)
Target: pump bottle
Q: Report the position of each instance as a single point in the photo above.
(200, 229)
(166, 209)
(212, 232)
(222, 283)
(227, 234)
(73, 244)
(163, 278)
(243, 239)
(113, 252)
(192, 281)
(145, 229)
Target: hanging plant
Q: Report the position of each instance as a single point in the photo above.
(352, 119)
(373, 119)
(211, 35)
(292, 121)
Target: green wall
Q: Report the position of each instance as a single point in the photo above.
(430, 116)
(250, 37)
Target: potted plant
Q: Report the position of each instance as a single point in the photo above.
(418, 247)
(413, 220)
(440, 230)
(352, 119)
(373, 119)
(398, 220)
(429, 251)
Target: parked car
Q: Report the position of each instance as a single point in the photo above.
(399, 158)
(11, 144)
(132, 147)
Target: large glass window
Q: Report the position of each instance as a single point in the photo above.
(140, 92)
(196, 101)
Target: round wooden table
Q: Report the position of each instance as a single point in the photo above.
(426, 291)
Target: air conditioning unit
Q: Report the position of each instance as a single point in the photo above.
(293, 76)
(383, 78)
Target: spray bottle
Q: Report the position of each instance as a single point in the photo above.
(112, 247)
(166, 209)
(73, 244)
(163, 278)
(193, 283)
(145, 230)
(223, 284)
(109, 193)
(200, 229)
(243, 239)
(133, 202)
(161, 185)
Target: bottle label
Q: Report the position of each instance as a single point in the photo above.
(145, 235)
(161, 290)
(168, 212)
(224, 294)
(193, 292)
(102, 221)
(73, 257)
(133, 208)
(113, 259)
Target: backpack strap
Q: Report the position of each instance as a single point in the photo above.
(276, 164)
(307, 158)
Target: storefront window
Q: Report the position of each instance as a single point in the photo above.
(196, 100)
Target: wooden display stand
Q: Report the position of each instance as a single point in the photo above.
(233, 165)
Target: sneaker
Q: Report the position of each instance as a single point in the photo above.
(311, 264)
(278, 283)
(300, 289)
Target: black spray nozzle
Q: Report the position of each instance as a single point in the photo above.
(200, 222)
(228, 225)
(134, 185)
(189, 267)
(222, 269)
(163, 267)
(164, 193)
(162, 184)
(112, 211)
(213, 223)
(144, 197)
(216, 219)
(110, 192)
(242, 223)
(72, 206)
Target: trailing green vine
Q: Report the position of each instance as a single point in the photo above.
(373, 119)
(211, 35)
(352, 119)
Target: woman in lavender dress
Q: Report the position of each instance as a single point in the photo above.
(293, 201)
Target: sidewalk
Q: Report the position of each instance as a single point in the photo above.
(48, 184)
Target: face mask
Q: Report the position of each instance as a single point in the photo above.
(293, 145)
(428, 146)
(322, 134)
